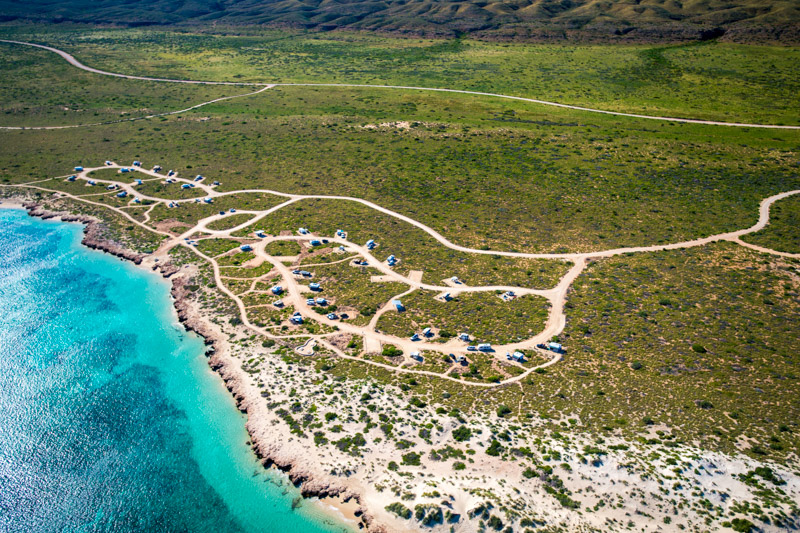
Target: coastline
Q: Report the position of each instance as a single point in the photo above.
(301, 473)
(330, 481)
(338, 502)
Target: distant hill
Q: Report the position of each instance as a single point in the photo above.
(645, 20)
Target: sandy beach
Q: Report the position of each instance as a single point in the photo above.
(7, 203)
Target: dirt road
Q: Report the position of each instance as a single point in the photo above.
(72, 61)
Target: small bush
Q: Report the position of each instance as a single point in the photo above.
(429, 514)
(495, 523)
(416, 402)
(503, 410)
(462, 434)
(399, 509)
(742, 525)
(411, 458)
(758, 450)
(404, 444)
(391, 351)
(494, 448)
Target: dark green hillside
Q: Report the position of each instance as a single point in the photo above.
(638, 20)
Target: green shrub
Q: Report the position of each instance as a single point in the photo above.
(495, 523)
(494, 448)
(399, 509)
(391, 351)
(428, 514)
(503, 410)
(462, 434)
(416, 402)
(742, 525)
(412, 459)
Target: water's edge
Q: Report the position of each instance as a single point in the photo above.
(328, 497)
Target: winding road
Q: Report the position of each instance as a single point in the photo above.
(556, 296)
(296, 296)
(132, 119)
(73, 61)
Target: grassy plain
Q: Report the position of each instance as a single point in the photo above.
(77, 187)
(484, 315)
(783, 232)
(41, 89)
(191, 213)
(172, 191)
(230, 221)
(701, 339)
(484, 173)
(712, 80)
(283, 248)
(496, 174)
(349, 287)
(215, 247)
(416, 249)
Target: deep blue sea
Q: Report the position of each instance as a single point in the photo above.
(110, 418)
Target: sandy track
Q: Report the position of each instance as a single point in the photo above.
(556, 296)
(730, 236)
(133, 119)
(72, 61)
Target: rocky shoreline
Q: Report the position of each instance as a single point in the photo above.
(310, 483)
(563, 482)
(92, 233)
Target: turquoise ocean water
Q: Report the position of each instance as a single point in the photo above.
(110, 418)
